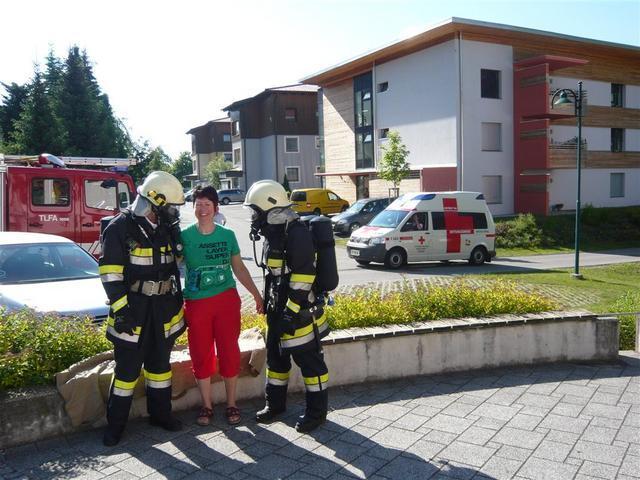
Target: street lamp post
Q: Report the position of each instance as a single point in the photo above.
(561, 97)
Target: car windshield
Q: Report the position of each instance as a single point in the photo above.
(388, 218)
(45, 262)
(356, 207)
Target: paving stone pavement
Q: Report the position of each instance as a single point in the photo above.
(560, 421)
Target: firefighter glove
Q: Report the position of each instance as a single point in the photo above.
(289, 320)
(123, 324)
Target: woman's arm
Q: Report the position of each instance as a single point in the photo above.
(244, 277)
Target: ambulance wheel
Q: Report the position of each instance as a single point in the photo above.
(354, 226)
(363, 262)
(317, 211)
(395, 258)
(478, 256)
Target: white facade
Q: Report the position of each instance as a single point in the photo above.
(476, 110)
(421, 103)
(595, 189)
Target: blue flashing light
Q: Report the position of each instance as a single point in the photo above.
(425, 196)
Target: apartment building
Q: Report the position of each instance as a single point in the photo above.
(209, 141)
(274, 134)
(472, 103)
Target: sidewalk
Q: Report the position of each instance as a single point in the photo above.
(562, 421)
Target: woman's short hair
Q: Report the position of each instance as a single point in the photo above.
(207, 192)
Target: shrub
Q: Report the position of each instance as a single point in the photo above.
(521, 231)
(629, 302)
(33, 348)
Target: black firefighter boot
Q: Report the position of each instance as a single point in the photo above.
(112, 435)
(316, 411)
(276, 403)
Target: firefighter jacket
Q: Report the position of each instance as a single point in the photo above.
(291, 264)
(140, 275)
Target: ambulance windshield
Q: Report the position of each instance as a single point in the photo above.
(389, 218)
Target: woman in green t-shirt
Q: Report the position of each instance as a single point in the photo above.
(212, 303)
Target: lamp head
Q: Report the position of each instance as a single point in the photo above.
(563, 99)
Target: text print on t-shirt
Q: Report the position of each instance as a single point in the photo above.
(215, 250)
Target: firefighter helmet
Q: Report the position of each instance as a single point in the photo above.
(265, 195)
(162, 188)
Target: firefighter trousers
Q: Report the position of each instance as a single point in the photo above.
(314, 372)
(154, 353)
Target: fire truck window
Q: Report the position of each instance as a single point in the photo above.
(123, 195)
(98, 194)
(50, 191)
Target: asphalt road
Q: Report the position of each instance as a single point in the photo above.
(353, 274)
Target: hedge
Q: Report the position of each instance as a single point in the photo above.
(33, 348)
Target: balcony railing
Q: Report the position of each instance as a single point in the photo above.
(563, 155)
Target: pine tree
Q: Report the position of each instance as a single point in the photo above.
(38, 128)
(12, 105)
(285, 184)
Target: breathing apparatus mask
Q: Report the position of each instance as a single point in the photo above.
(168, 215)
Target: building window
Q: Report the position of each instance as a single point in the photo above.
(318, 141)
(489, 83)
(293, 174)
(226, 137)
(235, 127)
(617, 95)
(228, 157)
(237, 157)
(363, 110)
(491, 137)
(617, 139)
(290, 114)
(492, 188)
(384, 132)
(291, 144)
(616, 182)
(383, 87)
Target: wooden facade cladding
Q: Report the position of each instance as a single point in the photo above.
(566, 158)
(608, 117)
(209, 138)
(265, 116)
(602, 68)
(339, 137)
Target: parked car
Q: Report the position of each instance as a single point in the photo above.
(358, 214)
(318, 201)
(231, 195)
(188, 197)
(49, 273)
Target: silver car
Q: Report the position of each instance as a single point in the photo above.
(48, 273)
(231, 195)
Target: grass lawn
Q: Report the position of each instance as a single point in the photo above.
(598, 291)
(584, 247)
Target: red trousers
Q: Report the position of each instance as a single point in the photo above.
(213, 328)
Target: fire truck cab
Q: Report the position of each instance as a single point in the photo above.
(41, 194)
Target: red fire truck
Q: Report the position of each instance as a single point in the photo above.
(42, 194)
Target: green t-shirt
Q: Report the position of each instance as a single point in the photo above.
(208, 261)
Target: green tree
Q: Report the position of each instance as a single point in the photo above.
(12, 105)
(213, 169)
(285, 184)
(182, 167)
(38, 128)
(394, 166)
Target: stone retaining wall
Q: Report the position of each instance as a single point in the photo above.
(374, 354)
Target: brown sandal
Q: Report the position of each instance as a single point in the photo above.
(204, 416)
(233, 415)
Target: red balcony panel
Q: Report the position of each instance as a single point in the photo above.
(440, 179)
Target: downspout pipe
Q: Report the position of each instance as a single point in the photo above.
(460, 130)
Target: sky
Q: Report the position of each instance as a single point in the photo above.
(168, 66)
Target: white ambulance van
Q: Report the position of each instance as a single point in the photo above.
(419, 227)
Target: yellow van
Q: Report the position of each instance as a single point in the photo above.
(319, 201)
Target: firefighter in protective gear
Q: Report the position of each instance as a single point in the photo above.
(295, 317)
(139, 273)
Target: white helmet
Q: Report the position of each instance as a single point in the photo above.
(162, 188)
(265, 195)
